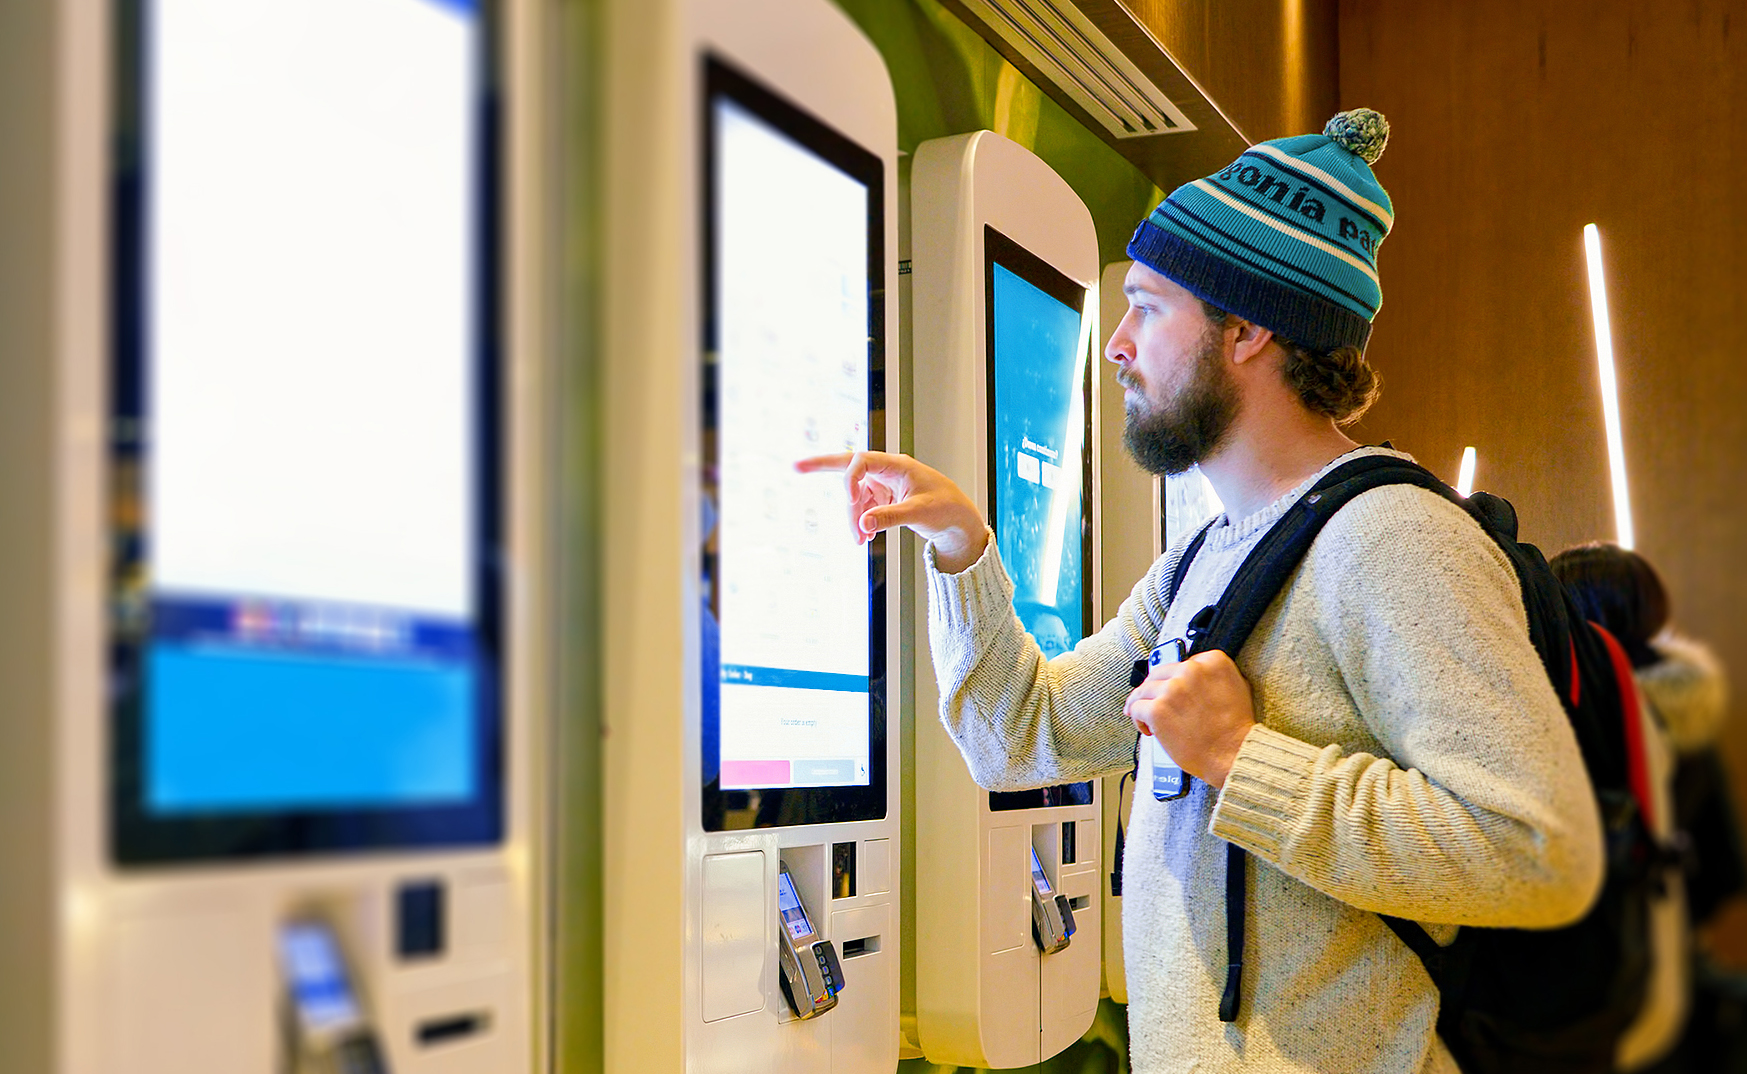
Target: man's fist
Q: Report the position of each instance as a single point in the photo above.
(1200, 710)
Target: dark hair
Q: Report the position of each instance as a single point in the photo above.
(1618, 589)
(1337, 384)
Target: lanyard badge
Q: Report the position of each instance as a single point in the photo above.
(1168, 780)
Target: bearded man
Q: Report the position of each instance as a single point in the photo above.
(1387, 741)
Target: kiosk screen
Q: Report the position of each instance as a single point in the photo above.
(304, 506)
(1040, 467)
(791, 626)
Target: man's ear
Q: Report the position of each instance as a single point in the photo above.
(1252, 339)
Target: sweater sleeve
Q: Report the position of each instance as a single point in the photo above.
(1021, 720)
(1481, 814)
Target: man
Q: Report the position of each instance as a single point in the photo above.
(1387, 741)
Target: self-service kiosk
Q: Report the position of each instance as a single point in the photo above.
(269, 712)
(1004, 301)
(752, 825)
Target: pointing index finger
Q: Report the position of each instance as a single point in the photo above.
(816, 463)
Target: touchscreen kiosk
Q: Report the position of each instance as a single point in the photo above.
(283, 680)
(789, 822)
(1003, 291)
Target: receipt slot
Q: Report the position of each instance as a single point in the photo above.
(1004, 293)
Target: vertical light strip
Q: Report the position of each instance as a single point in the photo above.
(1610, 392)
(1465, 477)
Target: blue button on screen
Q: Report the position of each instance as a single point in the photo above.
(231, 730)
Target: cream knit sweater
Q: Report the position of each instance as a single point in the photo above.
(1411, 759)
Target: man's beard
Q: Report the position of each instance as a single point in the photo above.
(1171, 437)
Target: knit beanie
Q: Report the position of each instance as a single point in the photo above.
(1285, 237)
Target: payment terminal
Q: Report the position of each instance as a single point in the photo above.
(1052, 919)
(329, 1031)
(812, 977)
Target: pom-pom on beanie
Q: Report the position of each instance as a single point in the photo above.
(1286, 236)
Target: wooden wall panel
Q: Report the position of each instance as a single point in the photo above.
(1515, 123)
(1270, 65)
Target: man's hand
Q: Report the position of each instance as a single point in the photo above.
(888, 490)
(1200, 711)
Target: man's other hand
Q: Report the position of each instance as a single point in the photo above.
(887, 490)
(1200, 710)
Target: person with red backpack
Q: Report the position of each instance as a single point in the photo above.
(1685, 696)
(1342, 686)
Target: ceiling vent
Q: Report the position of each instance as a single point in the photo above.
(1063, 45)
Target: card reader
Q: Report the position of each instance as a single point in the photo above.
(330, 1030)
(1052, 919)
(811, 975)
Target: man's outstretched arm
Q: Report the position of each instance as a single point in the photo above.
(1019, 719)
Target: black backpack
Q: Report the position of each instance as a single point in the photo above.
(1551, 1001)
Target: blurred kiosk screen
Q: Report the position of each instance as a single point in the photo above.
(305, 617)
(1040, 466)
(792, 612)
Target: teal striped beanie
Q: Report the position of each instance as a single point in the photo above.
(1286, 236)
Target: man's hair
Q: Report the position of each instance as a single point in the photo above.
(1337, 384)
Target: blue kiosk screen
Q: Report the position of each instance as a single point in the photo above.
(1039, 457)
(1039, 464)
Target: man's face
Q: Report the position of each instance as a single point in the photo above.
(1180, 397)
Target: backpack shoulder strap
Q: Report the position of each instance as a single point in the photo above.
(1188, 555)
(1265, 570)
(1632, 726)
(1228, 624)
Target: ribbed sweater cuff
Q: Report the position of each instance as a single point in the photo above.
(1259, 801)
(960, 601)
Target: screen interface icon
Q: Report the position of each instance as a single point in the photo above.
(786, 590)
(304, 501)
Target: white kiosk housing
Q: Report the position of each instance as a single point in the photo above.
(267, 791)
(751, 750)
(1004, 301)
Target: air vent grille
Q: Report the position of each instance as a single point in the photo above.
(1057, 39)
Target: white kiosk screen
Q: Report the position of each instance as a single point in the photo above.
(303, 430)
(792, 371)
(786, 593)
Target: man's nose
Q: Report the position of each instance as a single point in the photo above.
(1120, 349)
